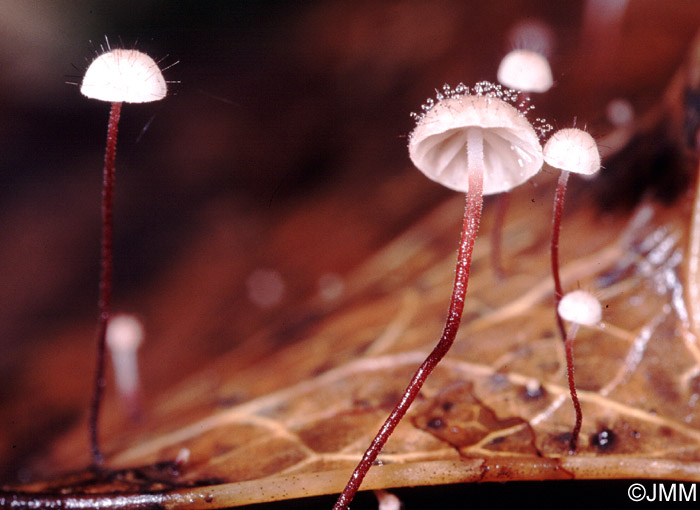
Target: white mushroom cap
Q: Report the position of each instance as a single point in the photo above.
(620, 112)
(124, 336)
(525, 70)
(126, 76)
(511, 149)
(573, 150)
(580, 307)
(124, 333)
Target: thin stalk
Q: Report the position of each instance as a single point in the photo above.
(556, 229)
(472, 217)
(569, 345)
(105, 289)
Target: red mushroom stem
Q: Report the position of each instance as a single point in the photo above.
(558, 294)
(472, 217)
(556, 229)
(105, 289)
(569, 346)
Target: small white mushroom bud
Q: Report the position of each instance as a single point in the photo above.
(387, 500)
(183, 457)
(572, 150)
(265, 287)
(124, 337)
(620, 112)
(526, 71)
(580, 307)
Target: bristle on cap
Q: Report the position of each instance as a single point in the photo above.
(121, 75)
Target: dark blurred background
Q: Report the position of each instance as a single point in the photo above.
(281, 147)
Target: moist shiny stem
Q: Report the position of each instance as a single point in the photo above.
(569, 346)
(556, 230)
(472, 217)
(105, 289)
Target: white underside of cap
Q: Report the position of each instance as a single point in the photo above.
(512, 152)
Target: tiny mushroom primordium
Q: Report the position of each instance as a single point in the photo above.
(124, 337)
(526, 71)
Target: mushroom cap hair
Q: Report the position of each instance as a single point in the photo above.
(580, 307)
(525, 70)
(122, 75)
(511, 149)
(573, 150)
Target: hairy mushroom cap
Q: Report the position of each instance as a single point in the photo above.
(121, 75)
(580, 307)
(573, 150)
(511, 149)
(525, 70)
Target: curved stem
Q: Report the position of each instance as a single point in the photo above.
(569, 345)
(472, 217)
(105, 279)
(556, 229)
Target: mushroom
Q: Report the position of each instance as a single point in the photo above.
(472, 141)
(620, 115)
(121, 75)
(524, 70)
(570, 150)
(116, 76)
(124, 337)
(580, 308)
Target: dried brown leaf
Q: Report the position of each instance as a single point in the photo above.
(498, 406)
